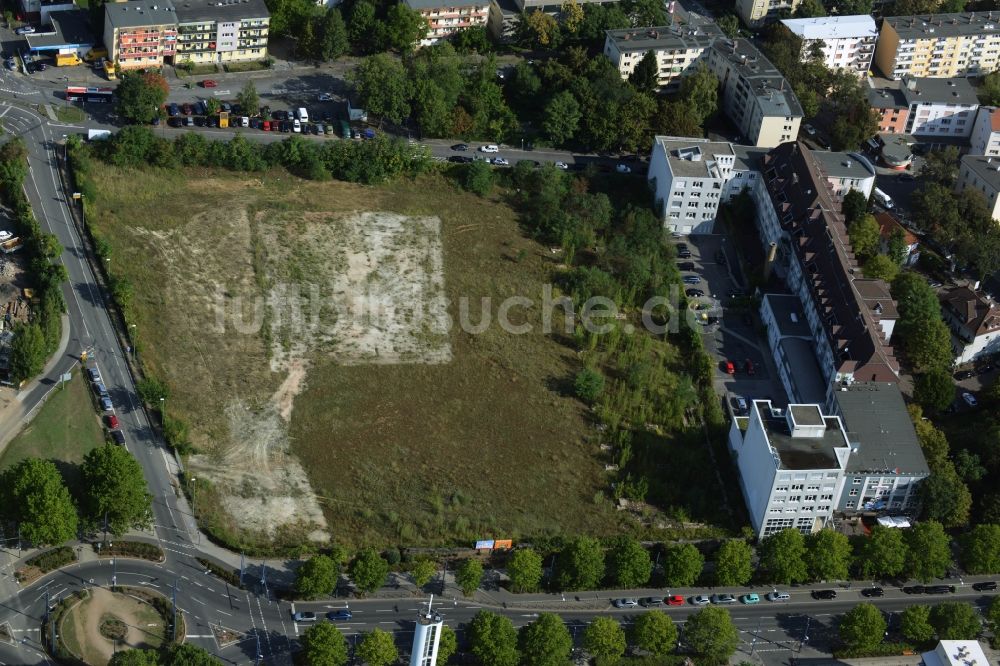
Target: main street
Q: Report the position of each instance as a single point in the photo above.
(773, 632)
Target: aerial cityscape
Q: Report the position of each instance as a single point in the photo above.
(500, 333)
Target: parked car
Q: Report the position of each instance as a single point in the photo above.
(625, 603)
(623, 168)
(304, 616)
(189, 121)
(730, 367)
(777, 596)
(10, 64)
(339, 615)
(209, 83)
(649, 602)
(824, 594)
(873, 592)
(489, 148)
(200, 121)
(186, 108)
(118, 437)
(500, 161)
(700, 600)
(100, 389)
(266, 126)
(675, 600)
(325, 97)
(112, 421)
(685, 266)
(691, 279)
(25, 30)
(94, 374)
(173, 109)
(750, 599)
(964, 374)
(985, 586)
(106, 404)
(913, 589)
(694, 293)
(460, 147)
(939, 589)
(562, 165)
(740, 404)
(969, 399)
(723, 599)
(684, 253)
(41, 67)
(810, 130)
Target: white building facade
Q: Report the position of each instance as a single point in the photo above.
(940, 107)
(981, 173)
(985, 139)
(846, 42)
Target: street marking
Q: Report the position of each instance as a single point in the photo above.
(199, 601)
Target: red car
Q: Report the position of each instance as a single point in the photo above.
(266, 126)
(749, 367)
(675, 600)
(730, 368)
(112, 421)
(208, 83)
(186, 108)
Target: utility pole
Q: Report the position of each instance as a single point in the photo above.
(756, 634)
(256, 661)
(242, 567)
(114, 571)
(263, 577)
(175, 610)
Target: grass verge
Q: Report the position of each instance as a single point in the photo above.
(69, 114)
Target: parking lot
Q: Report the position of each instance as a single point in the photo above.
(735, 336)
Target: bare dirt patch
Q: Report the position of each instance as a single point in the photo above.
(138, 624)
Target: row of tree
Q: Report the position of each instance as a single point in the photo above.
(34, 495)
(185, 654)
(865, 626)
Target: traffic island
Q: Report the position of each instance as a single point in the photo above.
(91, 625)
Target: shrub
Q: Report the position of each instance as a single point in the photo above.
(51, 560)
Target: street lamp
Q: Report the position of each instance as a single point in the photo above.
(132, 327)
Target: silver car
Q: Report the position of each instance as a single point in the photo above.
(723, 599)
(625, 603)
(700, 600)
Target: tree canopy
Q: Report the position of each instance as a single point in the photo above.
(493, 639)
(682, 565)
(524, 568)
(711, 633)
(378, 648)
(828, 555)
(545, 642)
(604, 638)
(139, 96)
(928, 553)
(733, 563)
(955, 621)
(580, 565)
(883, 554)
(628, 563)
(316, 577)
(469, 575)
(782, 556)
(322, 643)
(116, 488)
(369, 570)
(655, 633)
(862, 627)
(915, 623)
(35, 496)
(981, 550)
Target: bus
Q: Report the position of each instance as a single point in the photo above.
(81, 93)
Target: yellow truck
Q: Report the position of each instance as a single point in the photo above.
(109, 70)
(67, 59)
(95, 54)
(223, 119)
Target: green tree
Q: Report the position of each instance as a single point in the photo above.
(188, 654)
(404, 27)
(540, 28)
(150, 389)
(682, 565)
(829, 555)
(732, 564)
(580, 565)
(645, 76)
(369, 570)
(782, 555)
(854, 206)
(333, 41)
(934, 390)
(955, 621)
(423, 571)
(862, 627)
(932, 441)
(993, 615)
(383, 87)
(701, 90)
(140, 96)
(589, 384)
(135, 658)
(478, 178)
(628, 563)
(729, 24)
(493, 639)
(941, 166)
(469, 576)
(604, 639)
(361, 22)
(27, 352)
(248, 99)
(989, 89)
(448, 645)
(316, 577)
(473, 39)
(645, 12)
(710, 633)
(378, 648)
(946, 498)
(35, 496)
(915, 624)
(897, 247)
(928, 554)
(981, 550)
(855, 121)
(810, 9)
(655, 633)
(561, 117)
(864, 234)
(116, 489)
(324, 644)
(881, 267)
(883, 554)
(524, 568)
(968, 466)
(920, 330)
(545, 642)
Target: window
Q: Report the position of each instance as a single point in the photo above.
(814, 488)
(810, 498)
(781, 489)
(854, 492)
(795, 498)
(856, 481)
(796, 486)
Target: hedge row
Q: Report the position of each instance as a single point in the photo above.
(140, 549)
(51, 560)
(225, 573)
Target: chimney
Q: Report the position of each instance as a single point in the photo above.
(772, 254)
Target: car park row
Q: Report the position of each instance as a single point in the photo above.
(107, 407)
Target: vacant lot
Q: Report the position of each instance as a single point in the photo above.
(372, 420)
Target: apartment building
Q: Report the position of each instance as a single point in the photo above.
(504, 15)
(226, 31)
(845, 42)
(791, 464)
(940, 107)
(981, 172)
(850, 318)
(446, 17)
(985, 139)
(678, 48)
(756, 13)
(892, 108)
(974, 320)
(886, 466)
(690, 177)
(140, 33)
(754, 94)
(939, 45)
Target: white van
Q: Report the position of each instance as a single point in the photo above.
(296, 125)
(777, 596)
(302, 114)
(489, 148)
(883, 199)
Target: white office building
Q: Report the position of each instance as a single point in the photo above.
(791, 463)
(940, 107)
(426, 637)
(845, 42)
(985, 139)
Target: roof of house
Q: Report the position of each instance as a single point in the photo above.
(844, 165)
(938, 26)
(887, 225)
(939, 91)
(748, 157)
(880, 429)
(435, 4)
(139, 13)
(197, 11)
(877, 298)
(70, 28)
(810, 216)
(986, 168)
(814, 450)
(773, 92)
(977, 314)
(887, 98)
(688, 31)
(956, 653)
(833, 27)
(694, 157)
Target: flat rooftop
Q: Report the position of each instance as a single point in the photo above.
(833, 27)
(844, 165)
(692, 33)
(880, 429)
(789, 315)
(939, 26)
(200, 11)
(807, 379)
(139, 13)
(802, 451)
(70, 29)
(774, 93)
(987, 168)
(694, 157)
(940, 91)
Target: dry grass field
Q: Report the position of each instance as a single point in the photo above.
(310, 419)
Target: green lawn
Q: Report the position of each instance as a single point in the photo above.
(69, 114)
(64, 430)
